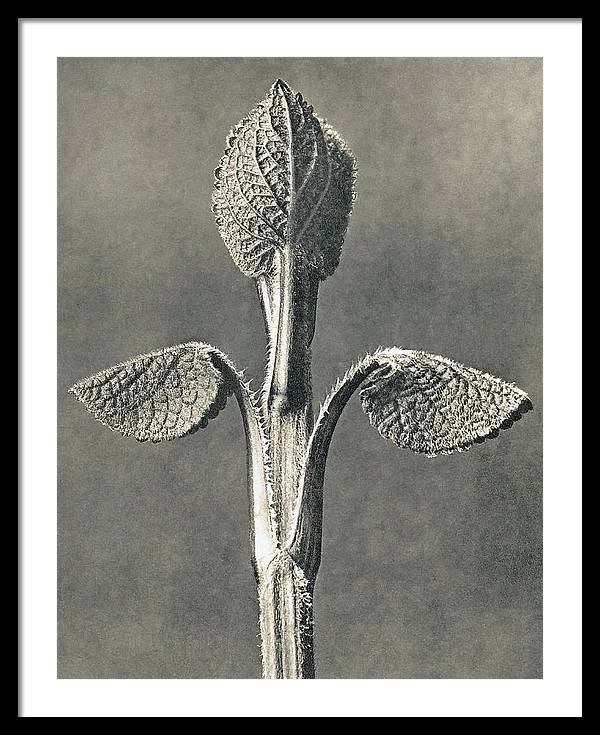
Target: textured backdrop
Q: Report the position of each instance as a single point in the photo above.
(431, 567)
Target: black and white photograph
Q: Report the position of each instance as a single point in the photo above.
(388, 211)
(301, 399)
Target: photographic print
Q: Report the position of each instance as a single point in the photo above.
(299, 345)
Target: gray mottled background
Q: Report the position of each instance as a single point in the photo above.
(431, 568)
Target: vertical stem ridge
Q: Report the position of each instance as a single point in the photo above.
(289, 386)
(286, 621)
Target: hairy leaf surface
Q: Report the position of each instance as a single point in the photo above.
(158, 396)
(286, 179)
(433, 405)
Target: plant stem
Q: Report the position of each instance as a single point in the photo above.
(262, 534)
(285, 590)
(305, 538)
(289, 402)
(286, 621)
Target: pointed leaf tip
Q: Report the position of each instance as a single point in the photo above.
(285, 180)
(282, 86)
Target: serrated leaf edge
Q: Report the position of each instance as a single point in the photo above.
(524, 406)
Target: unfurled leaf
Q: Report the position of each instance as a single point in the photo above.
(161, 395)
(433, 405)
(286, 179)
(423, 402)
